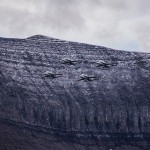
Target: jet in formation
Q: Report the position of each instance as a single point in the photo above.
(105, 65)
(69, 62)
(52, 75)
(87, 78)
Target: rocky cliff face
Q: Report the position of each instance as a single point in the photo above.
(111, 112)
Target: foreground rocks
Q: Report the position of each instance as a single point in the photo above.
(38, 112)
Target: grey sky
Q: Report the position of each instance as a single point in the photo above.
(120, 24)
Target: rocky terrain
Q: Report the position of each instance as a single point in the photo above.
(109, 110)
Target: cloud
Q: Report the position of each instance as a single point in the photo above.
(113, 23)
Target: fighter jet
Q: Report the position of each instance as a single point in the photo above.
(69, 62)
(105, 65)
(87, 78)
(52, 75)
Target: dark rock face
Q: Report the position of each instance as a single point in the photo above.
(36, 112)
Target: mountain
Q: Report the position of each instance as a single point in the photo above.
(100, 99)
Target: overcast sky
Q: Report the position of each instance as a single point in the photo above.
(119, 24)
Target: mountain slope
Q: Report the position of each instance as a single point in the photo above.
(112, 111)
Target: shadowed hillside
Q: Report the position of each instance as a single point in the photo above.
(100, 99)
